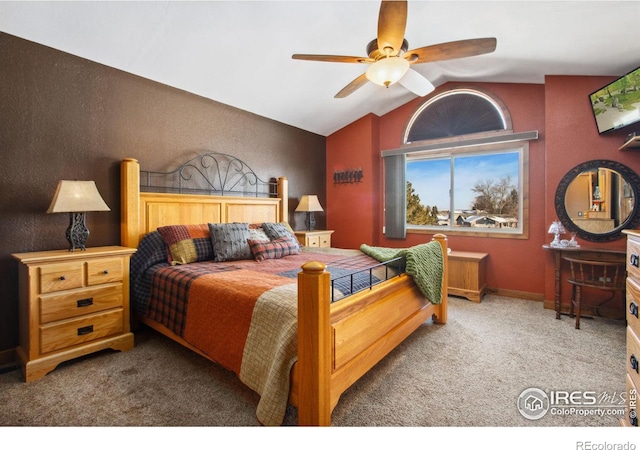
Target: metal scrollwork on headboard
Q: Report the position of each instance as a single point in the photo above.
(211, 174)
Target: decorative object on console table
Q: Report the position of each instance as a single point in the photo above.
(72, 304)
(633, 327)
(309, 204)
(317, 238)
(76, 198)
(556, 229)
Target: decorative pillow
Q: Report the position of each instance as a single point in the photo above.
(230, 241)
(256, 232)
(278, 230)
(274, 249)
(187, 243)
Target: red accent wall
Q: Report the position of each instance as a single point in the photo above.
(353, 208)
(559, 110)
(572, 138)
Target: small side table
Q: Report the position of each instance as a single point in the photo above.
(72, 304)
(315, 238)
(593, 253)
(467, 274)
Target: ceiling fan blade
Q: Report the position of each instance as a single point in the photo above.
(416, 83)
(334, 58)
(353, 86)
(392, 22)
(451, 50)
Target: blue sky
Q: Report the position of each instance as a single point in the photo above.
(431, 178)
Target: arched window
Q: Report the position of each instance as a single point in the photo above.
(461, 170)
(455, 113)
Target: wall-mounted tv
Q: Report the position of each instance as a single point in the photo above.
(617, 104)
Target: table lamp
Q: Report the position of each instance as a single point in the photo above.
(556, 229)
(309, 204)
(76, 198)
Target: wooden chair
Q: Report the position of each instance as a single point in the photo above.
(604, 275)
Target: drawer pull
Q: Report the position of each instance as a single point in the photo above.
(634, 260)
(634, 363)
(85, 302)
(62, 278)
(633, 309)
(105, 271)
(85, 330)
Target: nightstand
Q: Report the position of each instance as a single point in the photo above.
(72, 304)
(315, 238)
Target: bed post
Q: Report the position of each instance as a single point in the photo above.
(442, 316)
(129, 202)
(314, 345)
(283, 195)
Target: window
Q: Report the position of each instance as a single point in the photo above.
(462, 170)
(468, 190)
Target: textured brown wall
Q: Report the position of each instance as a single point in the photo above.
(63, 117)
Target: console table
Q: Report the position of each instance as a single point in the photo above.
(592, 253)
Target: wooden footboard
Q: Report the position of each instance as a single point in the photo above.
(340, 342)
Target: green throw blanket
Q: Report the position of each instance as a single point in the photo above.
(425, 264)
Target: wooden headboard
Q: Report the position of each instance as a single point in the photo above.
(143, 212)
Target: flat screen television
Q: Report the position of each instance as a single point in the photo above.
(617, 105)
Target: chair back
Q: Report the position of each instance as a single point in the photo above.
(605, 275)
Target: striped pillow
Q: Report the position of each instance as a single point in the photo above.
(274, 249)
(187, 243)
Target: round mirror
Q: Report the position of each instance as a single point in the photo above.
(597, 200)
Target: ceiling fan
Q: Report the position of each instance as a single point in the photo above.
(389, 58)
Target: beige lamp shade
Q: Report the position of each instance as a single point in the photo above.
(309, 203)
(77, 196)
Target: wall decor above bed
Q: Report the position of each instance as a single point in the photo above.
(319, 335)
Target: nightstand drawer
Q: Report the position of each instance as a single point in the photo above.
(325, 241)
(76, 303)
(77, 331)
(60, 277)
(103, 271)
(633, 300)
(313, 241)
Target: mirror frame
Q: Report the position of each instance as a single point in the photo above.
(629, 175)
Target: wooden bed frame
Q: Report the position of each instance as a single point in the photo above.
(337, 342)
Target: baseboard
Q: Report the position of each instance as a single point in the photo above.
(516, 294)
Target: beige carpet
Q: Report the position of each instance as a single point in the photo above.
(467, 373)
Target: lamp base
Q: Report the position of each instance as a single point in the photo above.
(77, 233)
(310, 222)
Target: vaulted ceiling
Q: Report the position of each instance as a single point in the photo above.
(239, 52)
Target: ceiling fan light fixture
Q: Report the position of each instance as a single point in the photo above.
(387, 71)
